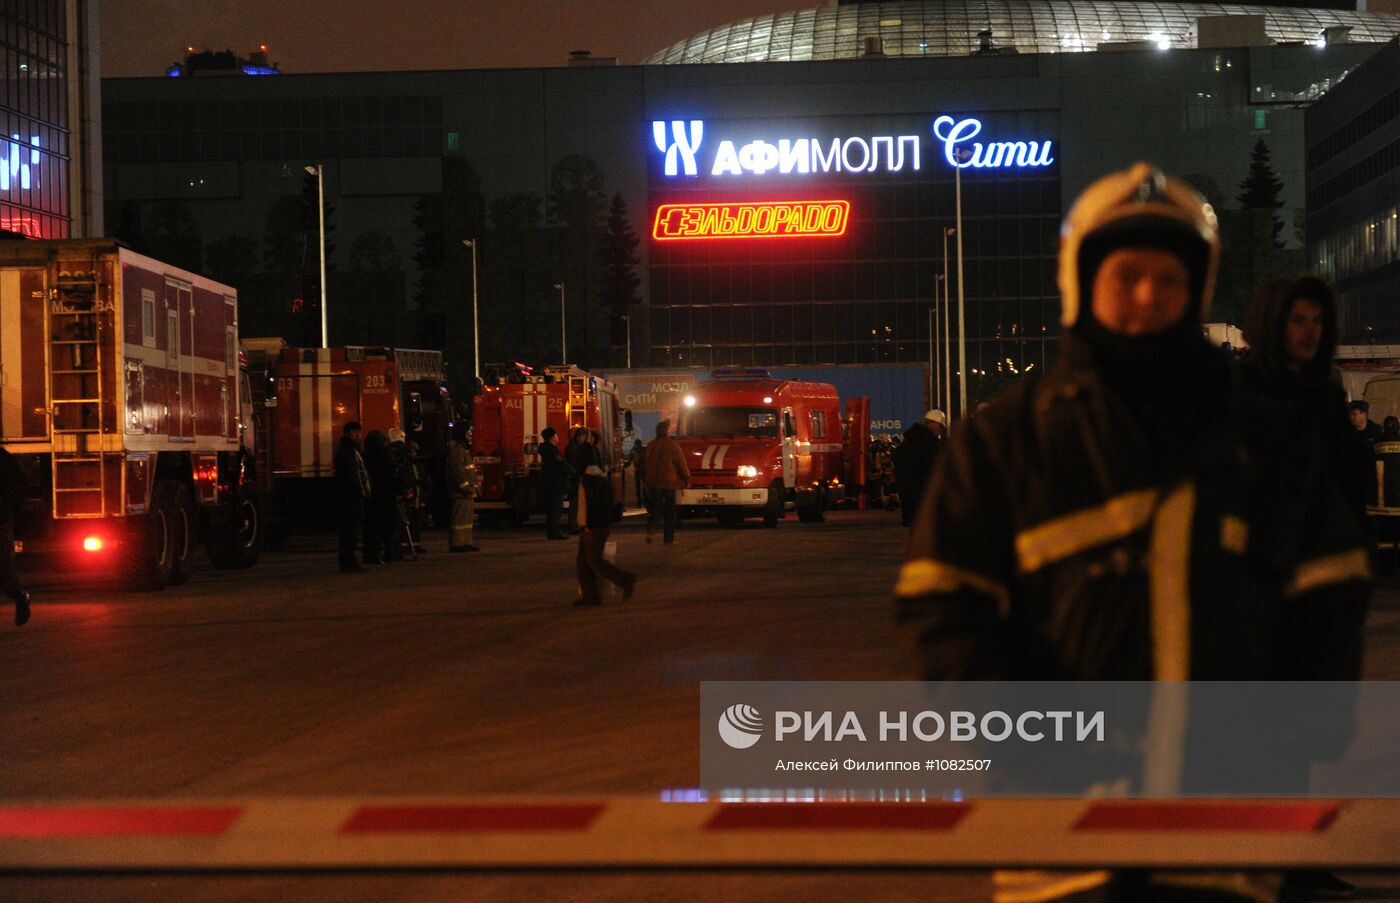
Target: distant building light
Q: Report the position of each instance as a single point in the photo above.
(250, 69)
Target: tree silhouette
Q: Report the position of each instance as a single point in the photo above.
(444, 266)
(516, 292)
(1262, 190)
(575, 204)
(618, 261)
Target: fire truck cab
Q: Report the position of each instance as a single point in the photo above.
(515, 404)
(123, 401)
(754, 443)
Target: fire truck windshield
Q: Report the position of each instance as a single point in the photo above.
(722, 423)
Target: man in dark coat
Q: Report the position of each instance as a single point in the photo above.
(1360, 412)
(555, 474)
(1101, 522)
(595, 519)
(14, 488)
(352, 488)
(914, 459)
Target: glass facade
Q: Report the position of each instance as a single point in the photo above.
(950, 28)
(33, 107)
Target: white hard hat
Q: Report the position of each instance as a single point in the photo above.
(1137, 207)
(937, 416)
(396, 435)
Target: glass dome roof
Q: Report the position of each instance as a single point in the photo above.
(950, 27)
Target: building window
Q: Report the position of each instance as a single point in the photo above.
(148, 318)
(1261, 119)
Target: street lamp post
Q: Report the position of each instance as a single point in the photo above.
(563, 325)
(935, 360)
(962, 308)
(947, 333)
(627, 321)
(476, 325)
(319, 172)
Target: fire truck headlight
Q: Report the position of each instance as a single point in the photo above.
(92, 544)
(747, 470)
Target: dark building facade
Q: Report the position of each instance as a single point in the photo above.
(582, 176)
(1353, 159)
(50, 184)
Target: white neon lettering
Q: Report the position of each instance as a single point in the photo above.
(846, 154)
(15, 168)
(913, 151)
(794, 156)
(826, 162)
(996, 154)
(758, 157)
(680, 151)
(726, 160)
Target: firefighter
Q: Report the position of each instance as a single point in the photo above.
(1097, 523)
(465, 485)
(555, 474)
(14, 488)
(914, 459)
(352, 489)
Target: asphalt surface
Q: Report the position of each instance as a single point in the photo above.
(457, 674)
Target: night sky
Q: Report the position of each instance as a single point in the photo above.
(142, 37)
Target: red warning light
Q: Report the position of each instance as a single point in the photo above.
(767, 219)
(92, 544)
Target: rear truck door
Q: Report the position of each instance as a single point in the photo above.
(23, 385)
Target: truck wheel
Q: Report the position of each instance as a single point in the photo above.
(811, 505)
(773, 511)
(521, 501)
(237, 532)
(149, 559)
(182, 534)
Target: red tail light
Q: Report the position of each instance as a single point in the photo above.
(93, 544)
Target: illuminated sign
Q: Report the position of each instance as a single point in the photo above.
(680, 140)
(993, 155)
(770, 219)
(16, 161)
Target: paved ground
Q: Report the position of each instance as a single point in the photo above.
(457, 674)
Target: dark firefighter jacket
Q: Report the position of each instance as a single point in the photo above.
(1074, 532)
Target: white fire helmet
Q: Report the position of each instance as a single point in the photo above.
(1137, 207)
(937, 416)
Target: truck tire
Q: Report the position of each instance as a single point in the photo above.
(182, 533)
(774, 510)
(811, 505)
(149, 558)
(238, 531)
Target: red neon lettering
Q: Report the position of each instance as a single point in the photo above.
(775, 219)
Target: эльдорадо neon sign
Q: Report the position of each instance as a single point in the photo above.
(764, 219)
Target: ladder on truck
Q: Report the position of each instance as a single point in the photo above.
(76, 399)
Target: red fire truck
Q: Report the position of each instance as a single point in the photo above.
(303, 397)
(123, 402)
(506, 422)
(754, 443)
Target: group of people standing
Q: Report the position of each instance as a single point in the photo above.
(379, 487)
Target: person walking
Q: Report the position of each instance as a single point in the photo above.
(555, 474)
(405, 527)
(1102, 522)
(352, 488)
(914, 459)
(578, 455)
(666, 472)
(14, 489)
(465, 485)
(595, 519)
